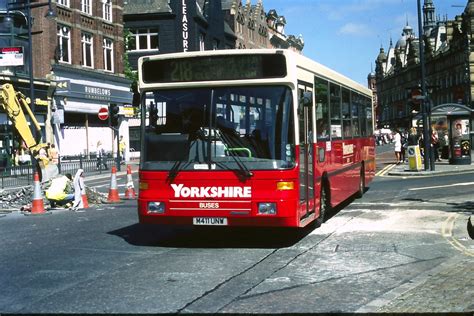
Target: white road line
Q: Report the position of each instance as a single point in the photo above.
(442, 186)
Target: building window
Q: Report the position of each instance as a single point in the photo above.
(87, 49)
(108, 54)
(201, 42)
(86, 6)
(64, 3)
(107, 10)
(63, 48)
(143, 39)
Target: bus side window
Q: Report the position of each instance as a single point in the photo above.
(321, 94)
(335, 110)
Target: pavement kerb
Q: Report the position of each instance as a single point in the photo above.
(403, 170)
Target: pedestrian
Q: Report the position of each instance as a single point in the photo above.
(101, 159)
(413, 139)
(60, 191)
(397, 138)
(16, 157)
(122, 146)
(445, 145)
(435, 145)
(53, 154)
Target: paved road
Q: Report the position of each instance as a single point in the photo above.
(401, 248)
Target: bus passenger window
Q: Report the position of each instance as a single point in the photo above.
(335, 107)
(321, 94)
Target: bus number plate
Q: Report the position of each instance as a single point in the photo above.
(214, 221)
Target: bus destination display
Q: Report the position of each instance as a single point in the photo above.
(232, 67)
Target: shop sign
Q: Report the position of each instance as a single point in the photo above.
(127, 111)
(184, 22)
(11, 56)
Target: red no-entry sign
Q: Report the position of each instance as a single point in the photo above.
(103, 114)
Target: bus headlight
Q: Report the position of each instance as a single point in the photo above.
(267, 208)
(156, 207)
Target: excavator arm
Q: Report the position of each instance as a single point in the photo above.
(13, 103)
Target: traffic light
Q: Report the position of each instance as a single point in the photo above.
(114, 115)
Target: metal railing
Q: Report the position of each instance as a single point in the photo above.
(17, 176)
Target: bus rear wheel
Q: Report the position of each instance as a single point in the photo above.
(361, 190)
(324, 205)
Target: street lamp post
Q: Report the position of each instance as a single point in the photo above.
(424, 102)
(27, 5)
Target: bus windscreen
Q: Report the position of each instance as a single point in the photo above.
(212, 68)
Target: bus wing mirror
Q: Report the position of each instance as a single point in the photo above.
(307, 98)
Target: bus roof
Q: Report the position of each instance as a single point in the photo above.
(302, 62)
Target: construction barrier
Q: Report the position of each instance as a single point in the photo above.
(113, 191)
(130, 190)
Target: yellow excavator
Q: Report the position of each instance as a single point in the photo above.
(13, 102)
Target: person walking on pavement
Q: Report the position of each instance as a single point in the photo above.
(101, 159)
(435, 145)
(122, 146)
(413, 139)
(397, 138)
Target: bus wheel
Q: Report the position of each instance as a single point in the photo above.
(324, 205)
(361, 190)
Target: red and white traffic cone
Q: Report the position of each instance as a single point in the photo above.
(85, 202)
(37, 205)
(113, 191)
(130, 191)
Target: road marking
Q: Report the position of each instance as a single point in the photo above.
(447, 233)
(385, 170)
(441, 186)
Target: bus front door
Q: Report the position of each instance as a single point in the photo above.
(306, 164)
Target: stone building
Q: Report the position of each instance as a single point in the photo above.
(168, 26)
(449, 68)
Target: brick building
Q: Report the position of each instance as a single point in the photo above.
(78, 58)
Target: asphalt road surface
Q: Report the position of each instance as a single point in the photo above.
(366, 257)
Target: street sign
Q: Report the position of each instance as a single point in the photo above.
(11, 56)
(103, 114)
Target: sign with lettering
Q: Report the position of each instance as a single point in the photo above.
(184, 23)
(209, 68)
(11, 56)
(180, 191)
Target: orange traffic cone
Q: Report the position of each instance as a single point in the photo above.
(130, 191)
(37, 206)
(113, 191)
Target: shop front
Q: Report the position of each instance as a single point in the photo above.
(452, 124)
(79, 96)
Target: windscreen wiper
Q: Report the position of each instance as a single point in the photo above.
(176, 169)
(244, 171)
